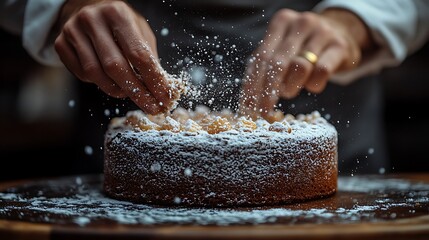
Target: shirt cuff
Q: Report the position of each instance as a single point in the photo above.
(40, 16)
(392, 27)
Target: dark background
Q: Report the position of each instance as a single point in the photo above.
(48, 145)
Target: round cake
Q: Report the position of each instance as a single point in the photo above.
(218, 159)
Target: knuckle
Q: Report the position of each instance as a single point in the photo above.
(85, 15)
(341, 43)
(309, 17)
(59, 44)
(112, 65)
(117, 6)
(283, 15)
(325, 29)
(280, 18)
(306, 20)
(139, 52)
(68, 29)
(90, 69)
(112, 10)
(115, 9)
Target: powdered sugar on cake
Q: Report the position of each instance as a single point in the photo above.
(169, 134)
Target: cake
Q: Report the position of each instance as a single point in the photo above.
(218, 159)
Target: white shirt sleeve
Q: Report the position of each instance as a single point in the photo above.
(399, 27)
(40, 16)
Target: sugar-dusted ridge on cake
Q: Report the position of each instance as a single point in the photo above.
(204, 120)
(218, 159)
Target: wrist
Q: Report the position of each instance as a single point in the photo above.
(351, 26)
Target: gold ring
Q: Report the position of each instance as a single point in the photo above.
(310, 56)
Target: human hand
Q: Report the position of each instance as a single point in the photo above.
(107, 43)
(334, 39)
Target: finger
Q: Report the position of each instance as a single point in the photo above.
(139, 53)
(270, 94)
(276, 32)
(293, 70)
(252, 88)
(299, 31)
(68, 56)
(117, 67)
(312, 38)
(271, 83)
(301, 28)
(245, 94)
(261, 83)
(295, 78)
(88, 65)
(271, 86)
(316, 43)
(329, 62)
(279, 60)
(318, 40)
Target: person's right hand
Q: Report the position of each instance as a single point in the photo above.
(109, 44)
(336, 40)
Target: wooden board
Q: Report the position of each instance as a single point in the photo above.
(365, 207)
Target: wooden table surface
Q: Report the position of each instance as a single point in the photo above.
(365, 207)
